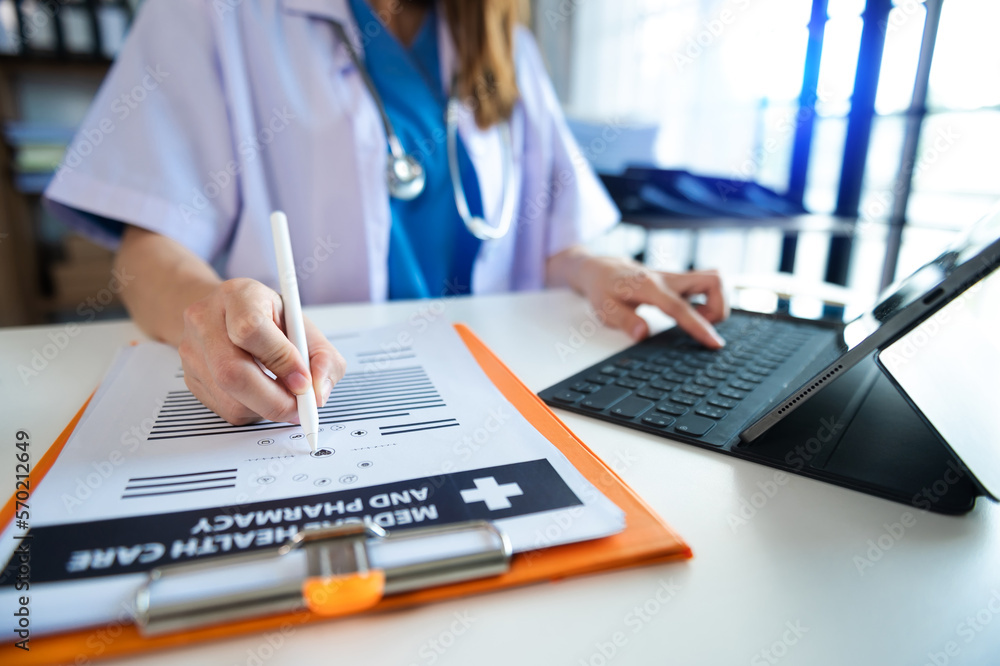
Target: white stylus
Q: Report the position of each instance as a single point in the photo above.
(294, 326)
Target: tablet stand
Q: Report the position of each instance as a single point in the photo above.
(861, 433)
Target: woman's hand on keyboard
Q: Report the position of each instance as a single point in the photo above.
(615, 287)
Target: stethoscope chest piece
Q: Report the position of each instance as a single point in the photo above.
(405, 177)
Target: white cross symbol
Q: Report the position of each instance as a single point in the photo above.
(487, 490)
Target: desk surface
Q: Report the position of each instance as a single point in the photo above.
(795, 573)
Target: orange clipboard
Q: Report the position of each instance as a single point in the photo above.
(645, 540)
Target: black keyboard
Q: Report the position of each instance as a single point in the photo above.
(670, 385)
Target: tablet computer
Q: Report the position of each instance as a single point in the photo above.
(901, 307)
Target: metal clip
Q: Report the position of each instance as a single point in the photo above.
(330, 571)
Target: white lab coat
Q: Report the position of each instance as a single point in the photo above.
(217, 112)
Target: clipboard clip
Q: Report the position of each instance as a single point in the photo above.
(331, 571)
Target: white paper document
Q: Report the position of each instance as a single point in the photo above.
(414, 435)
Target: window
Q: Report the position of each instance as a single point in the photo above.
(722, 79)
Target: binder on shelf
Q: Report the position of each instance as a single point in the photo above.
(646, 540)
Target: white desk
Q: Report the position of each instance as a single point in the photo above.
(793, 564)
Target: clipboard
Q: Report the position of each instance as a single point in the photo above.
(646, 540)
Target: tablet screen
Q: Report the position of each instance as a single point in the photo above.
(899, 296)
(949, 366)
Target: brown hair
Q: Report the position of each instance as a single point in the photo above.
(483, 31)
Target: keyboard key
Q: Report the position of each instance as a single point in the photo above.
(694, 389)
(657, 421)
(651, 394)
(628, 363)
(585, 387)
(740, 384)
(628, 383)
(567, 396)
(663, 385)
(600, 379)
(684, 399)
(758, 369)
(672, 409)
(769, 365)
(629, 408)
(604, 398)
(640, 375)
(706, 381)
(711, 412)
(682, 369)
(748, 376)
(719, 401)
(729, 392)
(696, 426)
(674, 377)
(653, 367)
(613, 371)
(715, 373)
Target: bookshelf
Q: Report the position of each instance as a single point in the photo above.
(53, 57)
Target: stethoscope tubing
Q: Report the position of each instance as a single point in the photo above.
(405, 176)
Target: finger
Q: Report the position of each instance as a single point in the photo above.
(655, 292)
(623, 317)
(325, 362)
(200, 320)
(198, 380)
(253, 314)
(197, 376)
(230, 410)
(708, 283)
(238, 377)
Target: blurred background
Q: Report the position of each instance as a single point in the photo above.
(818, 147)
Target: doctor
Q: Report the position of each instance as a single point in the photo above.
(417, 148)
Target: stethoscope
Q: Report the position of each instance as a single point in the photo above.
(405, 176)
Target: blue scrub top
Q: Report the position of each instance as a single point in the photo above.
(431, 251)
